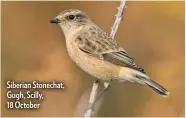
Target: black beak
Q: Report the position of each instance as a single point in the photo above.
(56, 21)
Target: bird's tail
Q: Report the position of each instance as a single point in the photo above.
(157, 87)
(152, 84)
(136, 76)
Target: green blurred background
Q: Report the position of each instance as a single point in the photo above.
(151, 32)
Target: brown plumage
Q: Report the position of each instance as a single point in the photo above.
(99, 43)
(97, 54)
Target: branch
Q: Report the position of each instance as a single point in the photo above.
(94, 91)
(118, 19)
(93, 95)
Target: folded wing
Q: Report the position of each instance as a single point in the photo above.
(100, 45)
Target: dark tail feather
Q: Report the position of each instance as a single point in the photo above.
(157, 88)
(144, 79)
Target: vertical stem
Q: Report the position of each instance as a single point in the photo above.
(93, 95)
(95, 86)
(118, 19)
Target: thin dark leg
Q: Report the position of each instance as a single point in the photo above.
(96, 81)
(106, 85)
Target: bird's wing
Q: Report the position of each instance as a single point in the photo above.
(100, 45)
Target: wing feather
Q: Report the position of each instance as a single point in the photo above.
(103, 47)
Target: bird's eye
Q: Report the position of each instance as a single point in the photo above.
(71, 17)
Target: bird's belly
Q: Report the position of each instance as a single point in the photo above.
(92, 65)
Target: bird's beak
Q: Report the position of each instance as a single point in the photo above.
(56, 21)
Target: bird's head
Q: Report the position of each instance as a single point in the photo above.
(71, 19)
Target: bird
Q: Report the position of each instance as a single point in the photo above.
(96, 53)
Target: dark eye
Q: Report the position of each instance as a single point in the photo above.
(71, 17)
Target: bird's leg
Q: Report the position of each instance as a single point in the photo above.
(96, 81)
(106, 86)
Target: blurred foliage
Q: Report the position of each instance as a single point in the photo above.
(151, 32)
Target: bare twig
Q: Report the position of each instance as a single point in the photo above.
(93, 95)
(112, 35)
(118, 19)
